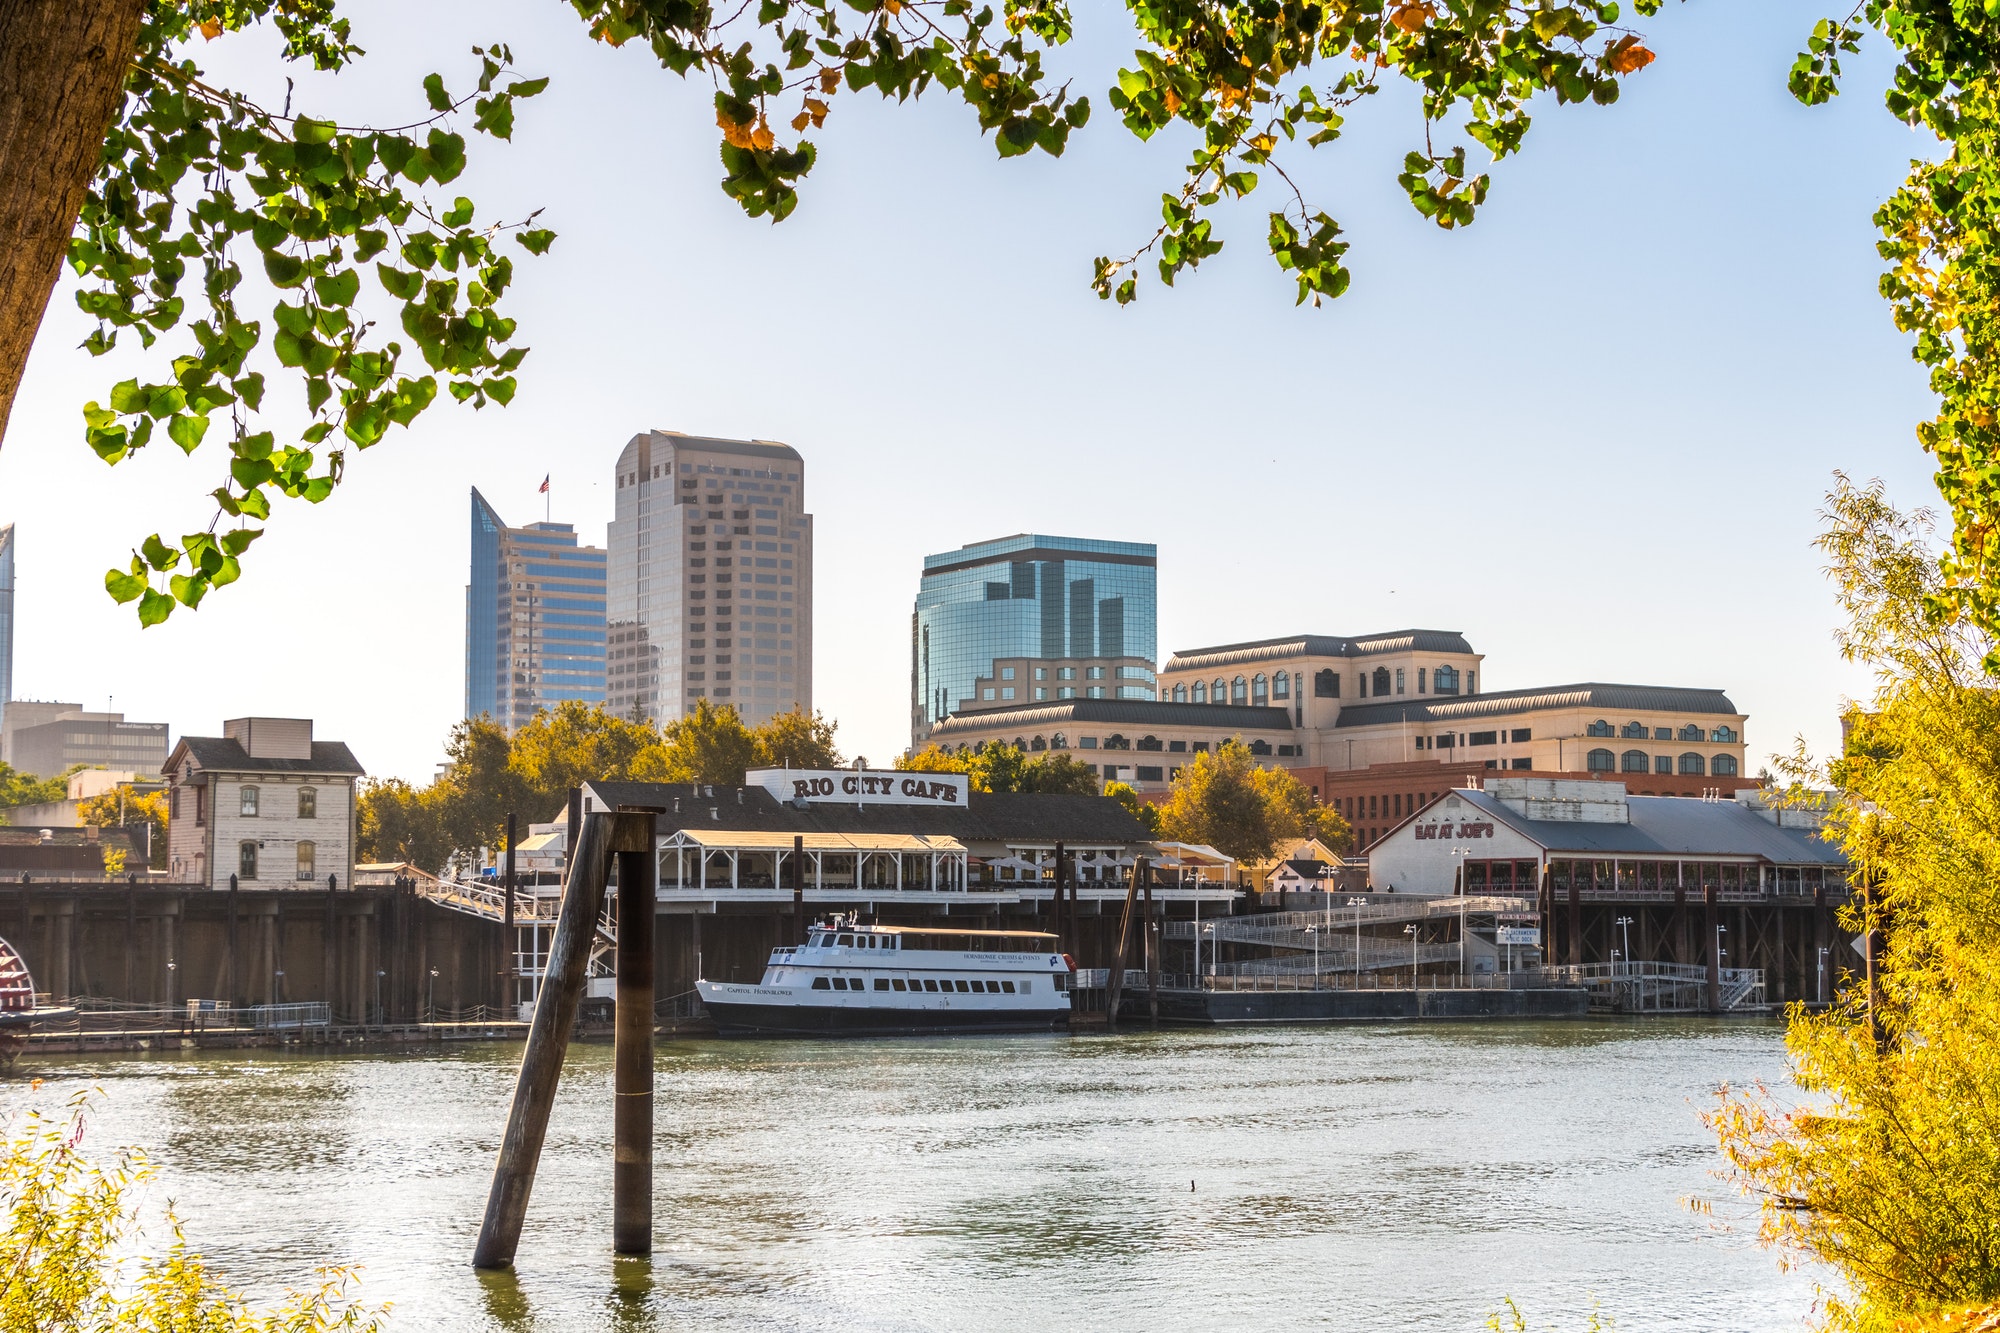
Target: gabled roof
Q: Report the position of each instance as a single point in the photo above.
(1135, 713)
(1668, 827)
(1319, 645)
(1009, 817)
(1606, 699)
(221, 754)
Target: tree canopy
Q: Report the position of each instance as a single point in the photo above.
(489, 775)
(999, 767)
(1222, 799)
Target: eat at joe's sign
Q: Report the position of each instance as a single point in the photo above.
(842, 786)
(1446, 829)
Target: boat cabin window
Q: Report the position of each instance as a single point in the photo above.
(963, 988)
(1007, 986)
(845, 941)
(881, 983)
(929, 985)
(1025, 986)
(898, 984)
(840, 983)
(821, 983)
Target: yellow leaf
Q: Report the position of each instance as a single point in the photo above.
(1173, 101)
(803, 119)
(1411, 15)
(1263, 143)
(1626, 55)
(817, 110)
(829, 80)
(893, 6)
(761, 138)
(211, 28)
(736, 136)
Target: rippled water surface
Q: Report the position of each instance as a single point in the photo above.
(1368, 1177)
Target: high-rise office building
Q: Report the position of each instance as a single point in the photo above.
(6, 619)
(711, 578)
(534, 619)
(1028, 619)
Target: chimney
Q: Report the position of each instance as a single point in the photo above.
(272, 737)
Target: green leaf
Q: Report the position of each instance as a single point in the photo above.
(338, 289)
(283, 270)
(238, 541)
(188, 590)
(186, 430)
(435, 94)
(123, 587)
(537, 242)
(154, 607)
(157, 553)
(127, 396)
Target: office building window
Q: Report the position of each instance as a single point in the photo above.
(1598, 728)
(1693, 765)
(1281, 687)
(1634, 761)
(1200, 691)
(1723, 766)
(249, 805)
(1260, 690)
(1444, 680)
(1663, 763)
(1421, 673)
(1600, 761)
(1380, 682)
(1399, 680)
(1326, 684)
(1722, 736)
(1239, 691)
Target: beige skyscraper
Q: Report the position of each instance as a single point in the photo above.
(710, 579)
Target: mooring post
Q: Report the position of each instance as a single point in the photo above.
(235, 995)
(798, 890)
(510, 949)
(1574, 942)
(1061, 920)
(590, 847)
(1708, 899)
(632, 1114)
(1152, 956)
(1114, 979)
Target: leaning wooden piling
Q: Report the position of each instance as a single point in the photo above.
(592, 841)
(1114, 979)
(632, 1114)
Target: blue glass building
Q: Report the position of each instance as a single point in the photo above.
(1032, 618)
(534, 619)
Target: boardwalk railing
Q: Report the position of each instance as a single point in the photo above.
(1296, 930)
(1654, 987)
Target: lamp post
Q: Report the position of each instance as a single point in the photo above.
(279, 977)
(1314, 932)
(1822, 976)
(1411, 931)
(431, 1003)
(379, 1015)
(1357, 904)
(1720, 952)
(1624, 924)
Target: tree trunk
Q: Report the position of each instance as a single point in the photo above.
(62, 70)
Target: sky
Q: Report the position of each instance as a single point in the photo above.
(1592, 432)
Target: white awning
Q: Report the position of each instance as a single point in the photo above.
(729, 840)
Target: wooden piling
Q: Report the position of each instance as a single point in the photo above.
(1152, 956)
(632, 1115)
(1061, 913)
(1114, 977)
(798, 890)
(548, 1041)
(234, 994)
(1574, 939)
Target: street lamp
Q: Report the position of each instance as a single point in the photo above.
(1314, 932)
(1624, 924)
(1357, 904)
(379, 974)
(431, 1004)
(1411, 931)
(278, 977)
(1822, 976)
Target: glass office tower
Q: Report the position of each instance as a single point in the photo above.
(534, 619)
(1032, 619)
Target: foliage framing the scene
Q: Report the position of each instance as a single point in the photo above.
(1890, 1173)
(72, 1254)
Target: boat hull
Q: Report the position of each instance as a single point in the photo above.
(748, 1019)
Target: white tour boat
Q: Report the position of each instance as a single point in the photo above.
(856, 980)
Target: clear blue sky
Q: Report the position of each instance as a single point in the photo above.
(1591, 432)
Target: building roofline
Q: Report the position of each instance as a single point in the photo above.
(717, 445)
(1133, 712)
(1587, 695)
(1321, 645)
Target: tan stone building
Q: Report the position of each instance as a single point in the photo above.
(265, 803)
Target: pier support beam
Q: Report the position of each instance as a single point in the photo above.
(593, 840)
(632, 1115)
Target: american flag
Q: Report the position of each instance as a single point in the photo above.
(545, 483)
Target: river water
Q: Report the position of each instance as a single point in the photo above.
(1394, 1176)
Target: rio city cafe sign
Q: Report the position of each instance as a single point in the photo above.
(842, 786)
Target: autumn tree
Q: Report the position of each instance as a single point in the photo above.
(797, 739)
(571, 744)
(1890, 1172)
(1145, 812)
(18, 788)
(397, 822)
(124, 806)
(996, 766)
(1222, 799)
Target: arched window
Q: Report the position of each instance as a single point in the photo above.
(1201, 691)
(1690, 732)
(1039, 743)
(249, 806)
(308, 802)
(1058, 742)
(1598, 728)
(1151, 743)
(1634, 731)
(1634, 761)
(1239, 691)
(1260, 747)
(305, 861)
(1326, 684)
(1722, 736)
(1020, 743)
(1692, 765)
(1180, 693)
(1281, 687)
(1380, 682)
(1723, 766)
(1116, 742)
(1260, 690)
(1444, 680)
(1220, 692)
(1600, 761)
